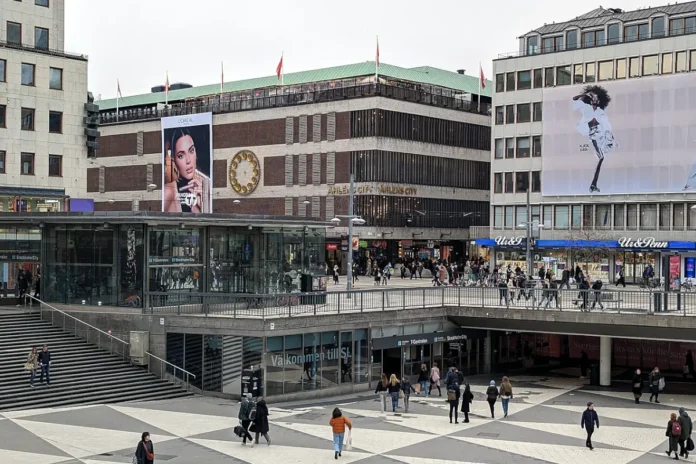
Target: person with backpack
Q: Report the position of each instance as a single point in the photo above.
(588, 422)
(505, 394)
(687, 426)
(655, 378)
(453, 393)
(674, 431)
(406, 389)
(338, 425)
(492, 395)
(145, 451)
(259, 421)
(243, 416)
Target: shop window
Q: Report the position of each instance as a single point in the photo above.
(648, 217)
(312, 361)
(175, 260)
(665, 215)
(678, 222)
(510, 217)
(499, 149)
(297, 364)
(212, 363)
(561, 217)
(509, 183)
(621, 68)
(193, 358)
(498, 182)
(603, 216)
(498, 217)
(619, 219)
(631, 217)
(274, 369)
(538, 78)
(330, 362)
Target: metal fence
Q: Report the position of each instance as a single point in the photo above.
(308, 304)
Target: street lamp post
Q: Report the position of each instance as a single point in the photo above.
(529, 224)
(352, 219)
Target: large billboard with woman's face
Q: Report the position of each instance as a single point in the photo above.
(620, 137)
(187, 160)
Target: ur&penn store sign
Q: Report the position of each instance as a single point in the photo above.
(623, 243)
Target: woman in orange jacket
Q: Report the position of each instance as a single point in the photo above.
(338, 424)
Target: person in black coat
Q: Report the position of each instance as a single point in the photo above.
(637, 386)
(259, 424)
(686, 426)
(145, 452)
(467, 398)
(588, 421)
(654, 379)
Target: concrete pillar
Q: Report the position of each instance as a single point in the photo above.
(487, 353)
(605, 361)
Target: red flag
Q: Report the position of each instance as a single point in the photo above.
(483, 78)
(279, 68)
(118, 90)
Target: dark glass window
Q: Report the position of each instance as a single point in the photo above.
(613, 32)
(510, 147)
(572, 39)
(28, 74)
(537, 111)
(3, 111)
(521, 181)
(41, 3)
(523, 147)
(510, 114)
(548, 77)
(55, 79)
(563, 75)
(509, 183)
(499, 149)
(27, 119)
(536, 146)
(676, 26)
(533, 45)
(14, 33)
(510, 82)
(538, 78)
(500, 82)
(27, 164)
(524, 80)
(658, 27)
(393, 211)
(2, 162)
(523, 113)
(500, 115)
(690, 25)
(55, 165)
(643, 32)
(498, 182)
(41, 38)
(536, 181)
(3, 70)
(593, 39)
(55, 122)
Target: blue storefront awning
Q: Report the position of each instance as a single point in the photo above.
(625, 243)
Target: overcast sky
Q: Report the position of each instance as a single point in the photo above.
(137, 41)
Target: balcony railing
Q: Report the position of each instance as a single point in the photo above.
(43, 51)
(611, 302)
(415, 95)
(580, 44)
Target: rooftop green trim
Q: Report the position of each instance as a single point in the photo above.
(423, 74)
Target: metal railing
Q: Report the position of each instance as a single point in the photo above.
(308, 304)
(175, 368)
(43, 51)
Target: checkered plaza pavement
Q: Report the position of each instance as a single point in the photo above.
(543, 427)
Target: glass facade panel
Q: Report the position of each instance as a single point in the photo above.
(329, 361)
(312, 360)
(346, 357)
(561, 217)
(21, 250)
(193, 358)
(274, 369)
(298, 369)
(212, 363)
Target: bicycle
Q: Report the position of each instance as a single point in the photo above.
(285, 300)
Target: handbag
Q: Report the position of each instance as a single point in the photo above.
(685, 369)
(348, 440)
(451, 395)
(148, 455)
(661, 384)
(636, 385)
(401, 394)
(29, 366)
(689, 444)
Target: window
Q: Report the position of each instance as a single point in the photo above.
(692, 57)
(650, 65)
(560, 217)
(606, 70)
(631, 217)
(613, 32)
(28, 74)
(510, 82)
(523, 113)
(14, 33)
(2, 162)
(590, 72)
(41, 3)
(548, 217)
(41, 38)
(621, 68)
(676, 26)
(521, 181)
(55, 78)
(572, 39)
(3, 67)
(28, 119)
(634, 67)
(648, 217)
(681, 62)
(678, 216)
(563, 75)
(603, 216)
(27, 164)
(538, 78)
(498, 182)
(548, 77)
(536, 111)
(587, 217)
(658, 27)
(619, 222)
(523, 147)
(509, 147)
(630, 33)
(508, 183)
(592, 39)
(55, 165)
(690, 25)
(509, 216)
(499, 149)
(577, 74)
(666, 63)
(576, 216)
(500, 82)
(55, 122)
(524, 80)
(536, 146)
(498, 217)
(536, 181)
(3, 110)
(520, 217)
(499, 115)
(533, 45)
(510, 114)
(665, 215)
(690, 216)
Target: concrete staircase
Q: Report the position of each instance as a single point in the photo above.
(81, 373)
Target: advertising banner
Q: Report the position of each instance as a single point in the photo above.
(620, 137)
(187, 157)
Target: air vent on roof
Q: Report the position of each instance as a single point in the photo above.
(461, 71)
(616, 10)
(176, 86)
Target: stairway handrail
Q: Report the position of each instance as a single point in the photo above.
(110, 336)
(162, 361)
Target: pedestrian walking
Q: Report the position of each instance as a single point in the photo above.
(45, 364)
(565, 279)
(597, 290)
(335, 274)
(503, 290)
(622, 278)
(406, 389)
(589, 420)
(424, 379)
(145, 451)
(467, 399)
(505, 394)
(584, 364)
(243, 416)
(686, 427)
(654, 379)
(382, 390)
(378, 276)
(453, 393)
(30, 365)
(435, 379)
(394, 388)
(674, 430)
(338, 425)
(259, 421)
(492, 394)
(638, 386)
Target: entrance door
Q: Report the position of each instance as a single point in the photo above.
(392, 362)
